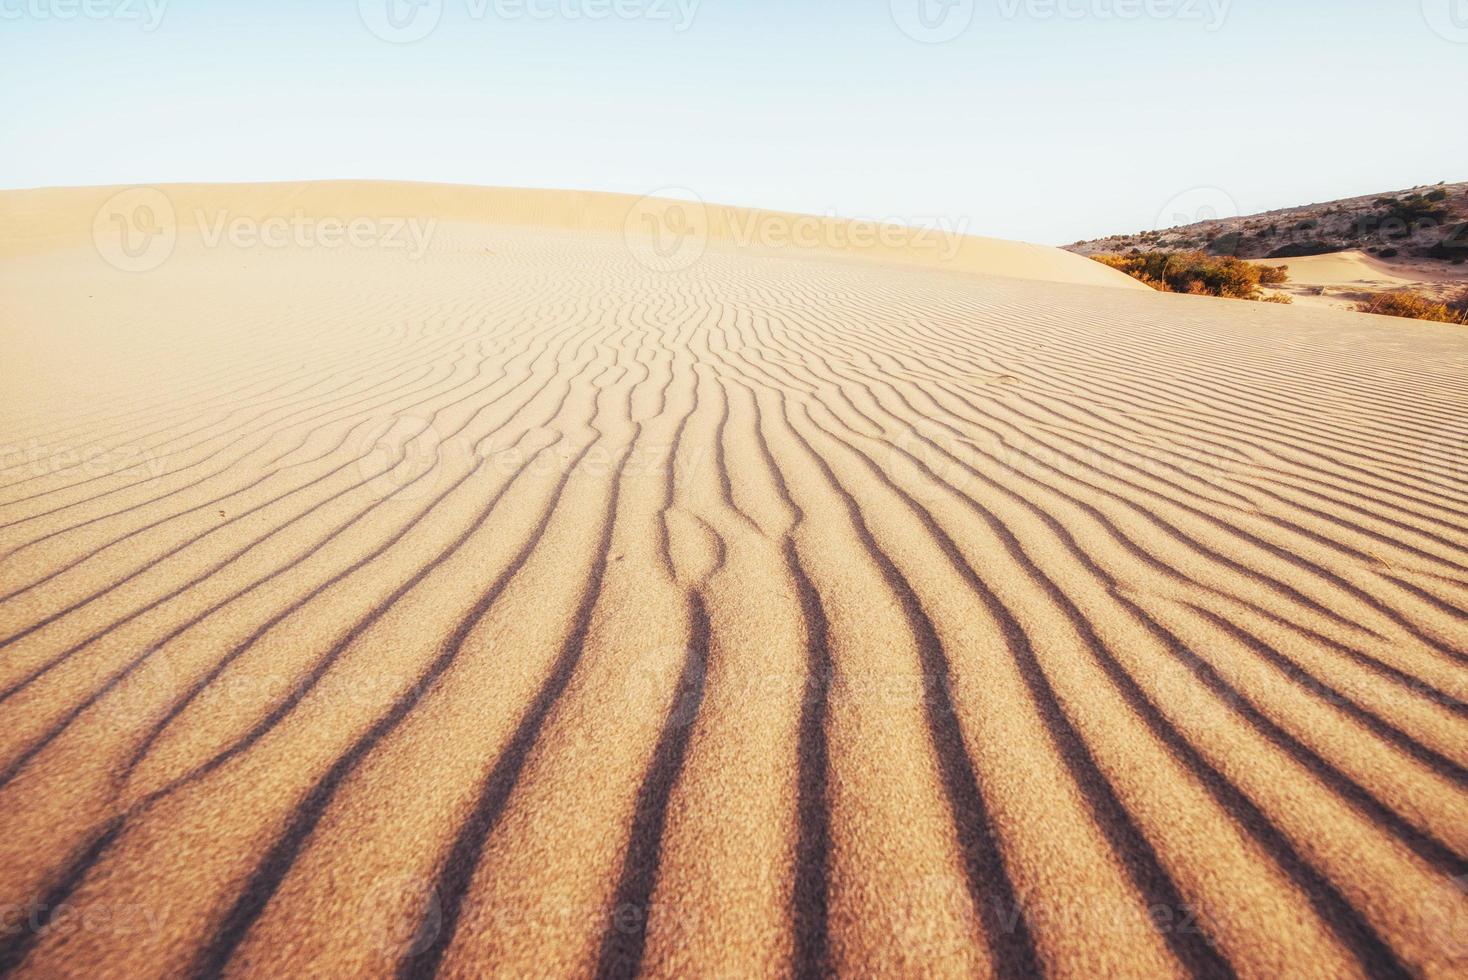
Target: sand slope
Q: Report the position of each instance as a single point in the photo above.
(549, 605)
(37, 221)
(1340, 280)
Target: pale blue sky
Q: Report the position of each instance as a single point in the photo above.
(1046, 120)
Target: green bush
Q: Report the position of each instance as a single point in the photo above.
(1198, 273)
(1417, 208)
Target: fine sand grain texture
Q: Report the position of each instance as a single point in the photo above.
(591, 586)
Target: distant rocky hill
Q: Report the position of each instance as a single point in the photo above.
(1429, 222)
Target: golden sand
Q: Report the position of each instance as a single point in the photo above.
(602, 586)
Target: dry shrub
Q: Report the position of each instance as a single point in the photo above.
(1273, 275)
(1198, 273)
(1415, 306)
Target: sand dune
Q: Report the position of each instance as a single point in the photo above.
(1354, 268)
(1340, 280)
(605, 587)
(37, 221)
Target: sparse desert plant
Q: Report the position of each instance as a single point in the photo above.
(1283, 298)
(1273, 275)
(1416, 208)
(1420, 222)
(1197, 273)
(1415, 306)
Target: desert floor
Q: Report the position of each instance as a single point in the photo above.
(1340, 280)
(616, 587)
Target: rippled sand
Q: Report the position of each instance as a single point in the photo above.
(607, 588)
